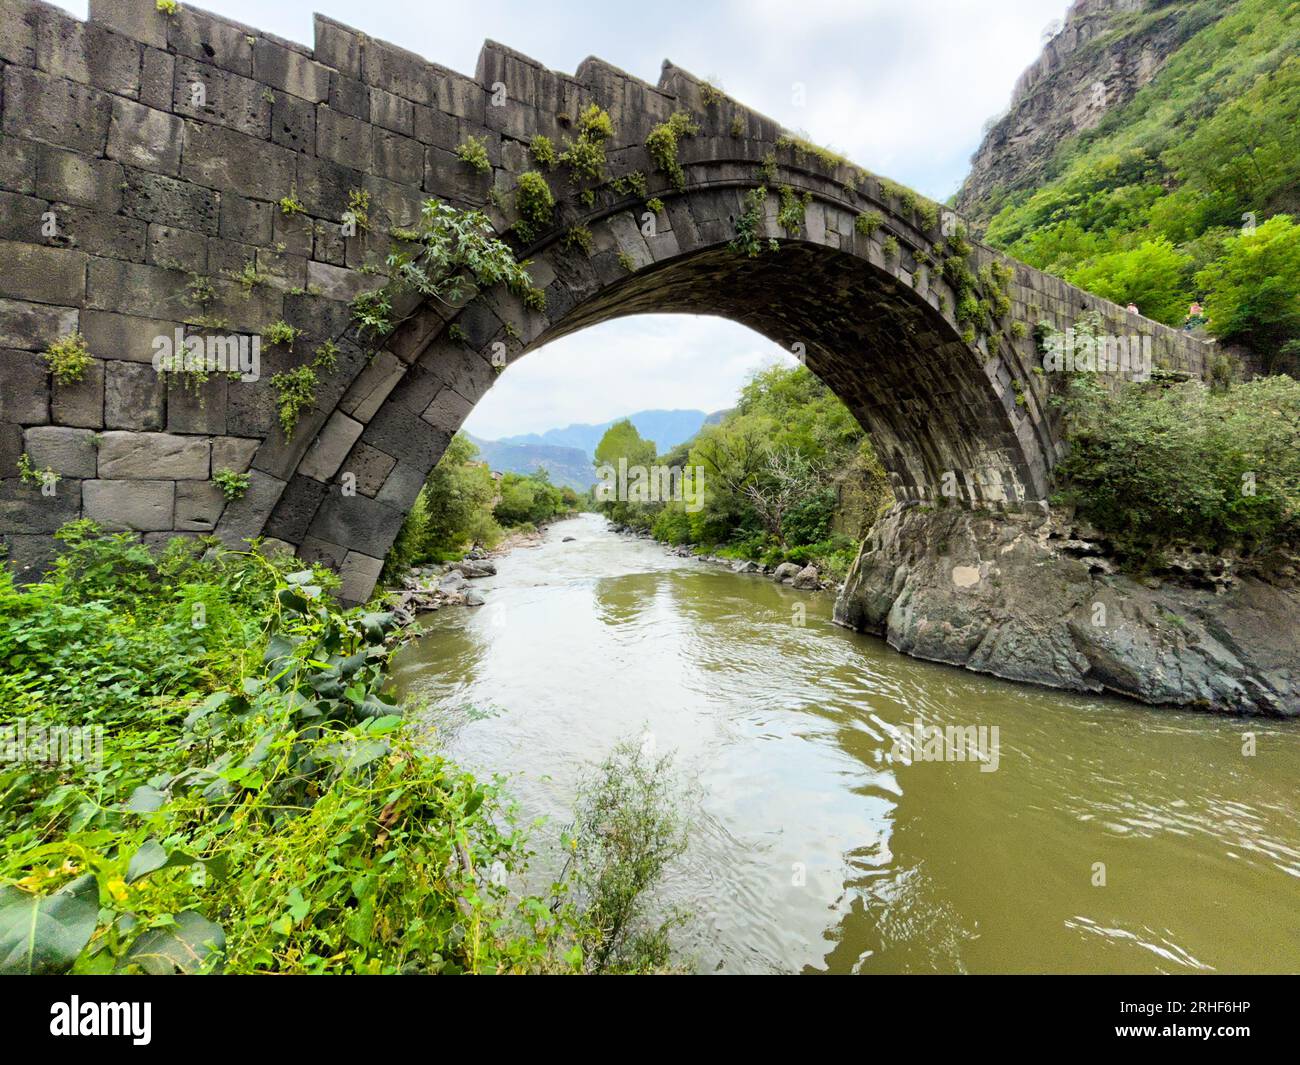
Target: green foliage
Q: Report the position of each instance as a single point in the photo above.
(1138, 207)
(167, 7)
(291, 205)
(249, 276)
(868, 222)
(359, 208)
(473, 152)
(633, 184)
(534, 203)
(750, 223)
(889, 247)
(258, 806)
(234, 486)
(1156, 463)
(627, 829)
(68, 359)
(655, 204)
(1252, 293)
(578, 236)
(29, 474)
(622, 442)
(531, 499)
(790, 216)
(1153, 275)
(585, 155)
(449, 251)
(627, 262)
(543, 150)
(281, 332)
(662, 143)
(295, 391)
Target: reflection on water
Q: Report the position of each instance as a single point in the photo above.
(815, 849)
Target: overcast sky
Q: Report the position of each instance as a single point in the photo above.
(902, 87)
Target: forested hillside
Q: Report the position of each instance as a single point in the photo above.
(1183, 190)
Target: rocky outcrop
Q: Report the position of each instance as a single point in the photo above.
(1035, 597)
(1105, 51)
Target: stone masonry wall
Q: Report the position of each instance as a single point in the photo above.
(144, 159)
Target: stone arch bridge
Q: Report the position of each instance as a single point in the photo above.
(149, 160)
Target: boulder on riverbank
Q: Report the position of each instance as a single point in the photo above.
(786, 572)
(1031, 597)
(475, 568)
(807, 578)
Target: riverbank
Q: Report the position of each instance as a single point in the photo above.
(1040, 598)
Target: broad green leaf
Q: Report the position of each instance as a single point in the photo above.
(44, 934)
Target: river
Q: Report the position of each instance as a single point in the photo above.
(1110, 837)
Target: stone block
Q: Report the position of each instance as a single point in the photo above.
(369, 466)
(198, 506)
(68, 452)
(145, 138)
(80, 403)
(70, 177)
(140, 21)
(358, 576)
(33, 326)
(343, 139)
(55, 110)
(356, 521)
(245, 220)
(135, 397)
(392, 112)
(228, 161)
(224, 44)
(100, 233)
(125, 336)
(143, 456)
(293, 123)
(170, 202)
(80, 51)
(18, 26)
(25, 508)
(41, 274)
(245, 517)
(290, 71)
(198, 408)
(349, 96)
(337, 46)
(25, 394)
(297, 506)
(330, 447)
(233, 453)
(397, 158)
(176, 249)
(137, 504)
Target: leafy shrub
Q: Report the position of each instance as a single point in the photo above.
(68, 359)
(662, 142)
(1156, 463)
(534, 204)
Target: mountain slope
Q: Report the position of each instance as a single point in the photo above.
(667, 428)
(1142, 151)
(568, 467)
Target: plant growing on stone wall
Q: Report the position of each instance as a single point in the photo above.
(282, 333)
(295, 392)
(359, 208)
(662, 143)
(326, 356)
(373, 311)
(766, 172)
(199, 291)
(889, 248)
(291, 205)
(585, 155)
(29, 474)
(578, 236)
(542, 149)
(68, 359)
(737, 126)
(790, 217)
(748, 226)
(250, 277)
(534, 204)
(627, 262)
(452, 251)
(868, 222)
(655, 204)
(711, 94)
(233, 485)
(457, 332)
(473, 152)
(167, 7)
(630, 184)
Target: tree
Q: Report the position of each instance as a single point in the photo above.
(1154, 275)
(1252, 293)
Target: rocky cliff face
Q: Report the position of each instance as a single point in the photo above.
(1104, 53)
(1035, 597)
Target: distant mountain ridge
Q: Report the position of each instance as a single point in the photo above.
(568, 454)
(667, 428)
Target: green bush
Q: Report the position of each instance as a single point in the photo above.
(1157, 463)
